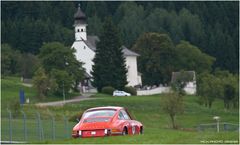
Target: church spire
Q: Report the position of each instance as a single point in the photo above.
(80, 25)
(79, 16)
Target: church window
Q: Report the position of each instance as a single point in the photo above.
(77, 30)
(81, 30)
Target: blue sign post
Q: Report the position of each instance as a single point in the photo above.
(22, 97)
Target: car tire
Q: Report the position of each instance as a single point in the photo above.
(141, 130)
(124, 132)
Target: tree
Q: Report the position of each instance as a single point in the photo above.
(212, 26)
(127, 16)
(41, 82)
(172, 104)
(109, 64)
(157, 57)
(94, 25)
(209, 88)
(5, 59)
(28, 64)
(9, 60)
(229, 93)
(60, 62)
(181, 81)
(190, 57)
(63, 81)
(230, 88)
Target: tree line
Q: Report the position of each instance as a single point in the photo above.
(167, 39)
(212, 26)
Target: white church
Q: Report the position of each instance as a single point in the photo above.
(85, 47)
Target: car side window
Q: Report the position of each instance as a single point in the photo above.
(125, 115)
(120, 116)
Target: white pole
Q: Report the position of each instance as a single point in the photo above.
(217, 125)
(63, 94)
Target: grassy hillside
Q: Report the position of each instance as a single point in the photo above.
(10, 87)
(146, 109)
(157, 124)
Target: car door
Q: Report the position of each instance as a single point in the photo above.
(119, 123)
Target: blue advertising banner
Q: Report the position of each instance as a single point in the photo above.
(22, 97)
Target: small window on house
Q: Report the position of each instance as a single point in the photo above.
(81, 30)
(84, 47)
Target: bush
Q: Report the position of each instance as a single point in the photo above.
(108, 90)
(130, 90)
(76, 116)
(15, 108)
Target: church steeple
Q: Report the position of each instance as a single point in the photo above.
(80, 25)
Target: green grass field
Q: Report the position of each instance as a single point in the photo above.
(10, 87)
(157, 124)
(146, 109)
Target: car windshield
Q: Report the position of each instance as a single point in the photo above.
(99, 113)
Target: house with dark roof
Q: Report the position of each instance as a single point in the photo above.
(85, 47)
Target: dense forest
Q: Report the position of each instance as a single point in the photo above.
(211, 26)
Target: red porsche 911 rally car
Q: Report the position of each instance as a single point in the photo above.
(106, 121)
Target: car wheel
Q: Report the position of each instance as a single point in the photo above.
(125, 132)
(141, 130)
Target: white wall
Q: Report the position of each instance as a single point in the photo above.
(158, 90)
(191, 88)
(82, 32)
(132, 74)
(84, 54)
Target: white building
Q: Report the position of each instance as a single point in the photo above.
(85, 47)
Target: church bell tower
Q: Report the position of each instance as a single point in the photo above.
(80, 25)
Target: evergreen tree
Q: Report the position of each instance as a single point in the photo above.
(94, 25)
(109, 64)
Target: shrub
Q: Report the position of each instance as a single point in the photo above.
(130, 90)
(15, 108)
(75, 116)
(108, 90)
(172, 104)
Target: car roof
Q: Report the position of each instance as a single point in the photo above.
(106, 107)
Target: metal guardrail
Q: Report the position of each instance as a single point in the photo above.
(222, 126)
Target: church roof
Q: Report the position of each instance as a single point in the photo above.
(91, 42)
(79, 16)
(128, 52)
(87, 75)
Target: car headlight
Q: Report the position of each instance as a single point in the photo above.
(80, 133)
